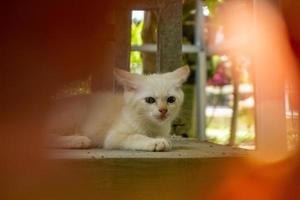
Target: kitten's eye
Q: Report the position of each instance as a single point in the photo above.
(171, 99)
(150, 100)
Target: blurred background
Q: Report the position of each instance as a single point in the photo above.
(228, 93)
(229, 90)
(243, 91)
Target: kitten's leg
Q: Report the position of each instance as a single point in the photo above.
(71, 142)
(144, 143)
(136, 142)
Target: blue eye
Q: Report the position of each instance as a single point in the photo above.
(150, 100)
(171, 99)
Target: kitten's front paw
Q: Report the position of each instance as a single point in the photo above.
(158, 144)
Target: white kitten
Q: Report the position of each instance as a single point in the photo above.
(139, 120)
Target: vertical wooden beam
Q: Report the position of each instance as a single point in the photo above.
(123, 43)
(169, 35)
(114, 52)
(104, 54)
(123, 19)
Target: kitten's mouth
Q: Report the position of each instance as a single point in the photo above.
(162, 117)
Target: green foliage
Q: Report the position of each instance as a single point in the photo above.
(136, 32)
(136, 39)
(218, 130)
(213, 63)
(212, 4)
(188, 6)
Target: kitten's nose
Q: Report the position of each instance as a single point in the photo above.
(163, 110)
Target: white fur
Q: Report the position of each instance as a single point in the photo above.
(113, 121)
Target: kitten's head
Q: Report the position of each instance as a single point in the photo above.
(155, 97)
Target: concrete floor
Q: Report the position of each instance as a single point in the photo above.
(182, 148)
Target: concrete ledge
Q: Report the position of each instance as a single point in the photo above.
(182, 148)
(191, 170)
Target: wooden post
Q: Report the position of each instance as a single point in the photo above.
(123, 45)
(169, 35)
(123, 38)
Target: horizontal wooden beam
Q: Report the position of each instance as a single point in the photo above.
(153, 48)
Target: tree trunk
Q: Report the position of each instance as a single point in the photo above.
(235, 106)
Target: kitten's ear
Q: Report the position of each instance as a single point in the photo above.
(181, 74)
(125, 78)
